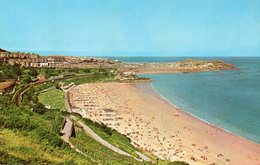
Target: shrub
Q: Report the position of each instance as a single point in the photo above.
(16, 118)
(47, 137)
(39, 108)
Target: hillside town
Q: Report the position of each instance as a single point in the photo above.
(55, 61)
(128, 69)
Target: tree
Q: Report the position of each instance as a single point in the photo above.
(16, 69)
(25, 78)
(33, 72)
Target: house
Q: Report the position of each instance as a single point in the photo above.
(129, 74)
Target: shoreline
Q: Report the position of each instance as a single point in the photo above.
(149, 85)
(154, 124)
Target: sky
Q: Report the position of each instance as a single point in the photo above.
(177, 27)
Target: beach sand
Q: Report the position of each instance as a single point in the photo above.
(155, 125)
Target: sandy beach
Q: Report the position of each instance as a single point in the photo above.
(157, 126)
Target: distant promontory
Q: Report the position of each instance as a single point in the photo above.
(60, 61)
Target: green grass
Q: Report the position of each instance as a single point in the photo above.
(91, 79)
(116, 139)
(38, 88)
(54, 98)
(30, 138)
(18, 148)
(112, 136)
(99, 153)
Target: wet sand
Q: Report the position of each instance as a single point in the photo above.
(155, 125)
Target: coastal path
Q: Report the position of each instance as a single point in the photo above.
(17, 98)
(93, 135)
(96, 137)
(67, 132)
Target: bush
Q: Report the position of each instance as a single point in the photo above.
(106, 129)
(5, 101)
(25, 78)
(16, 118)
(55, 117)
(9, 71)
(47, 137)
(39, 108)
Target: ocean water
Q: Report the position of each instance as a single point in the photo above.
(227, 99)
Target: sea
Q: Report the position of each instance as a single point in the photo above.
(227, 99)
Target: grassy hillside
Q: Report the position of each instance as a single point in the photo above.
(99, 153)
(27, 137)
(53, 98)
(111, 136)
(18, 148)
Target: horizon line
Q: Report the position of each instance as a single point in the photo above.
(134, 53)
